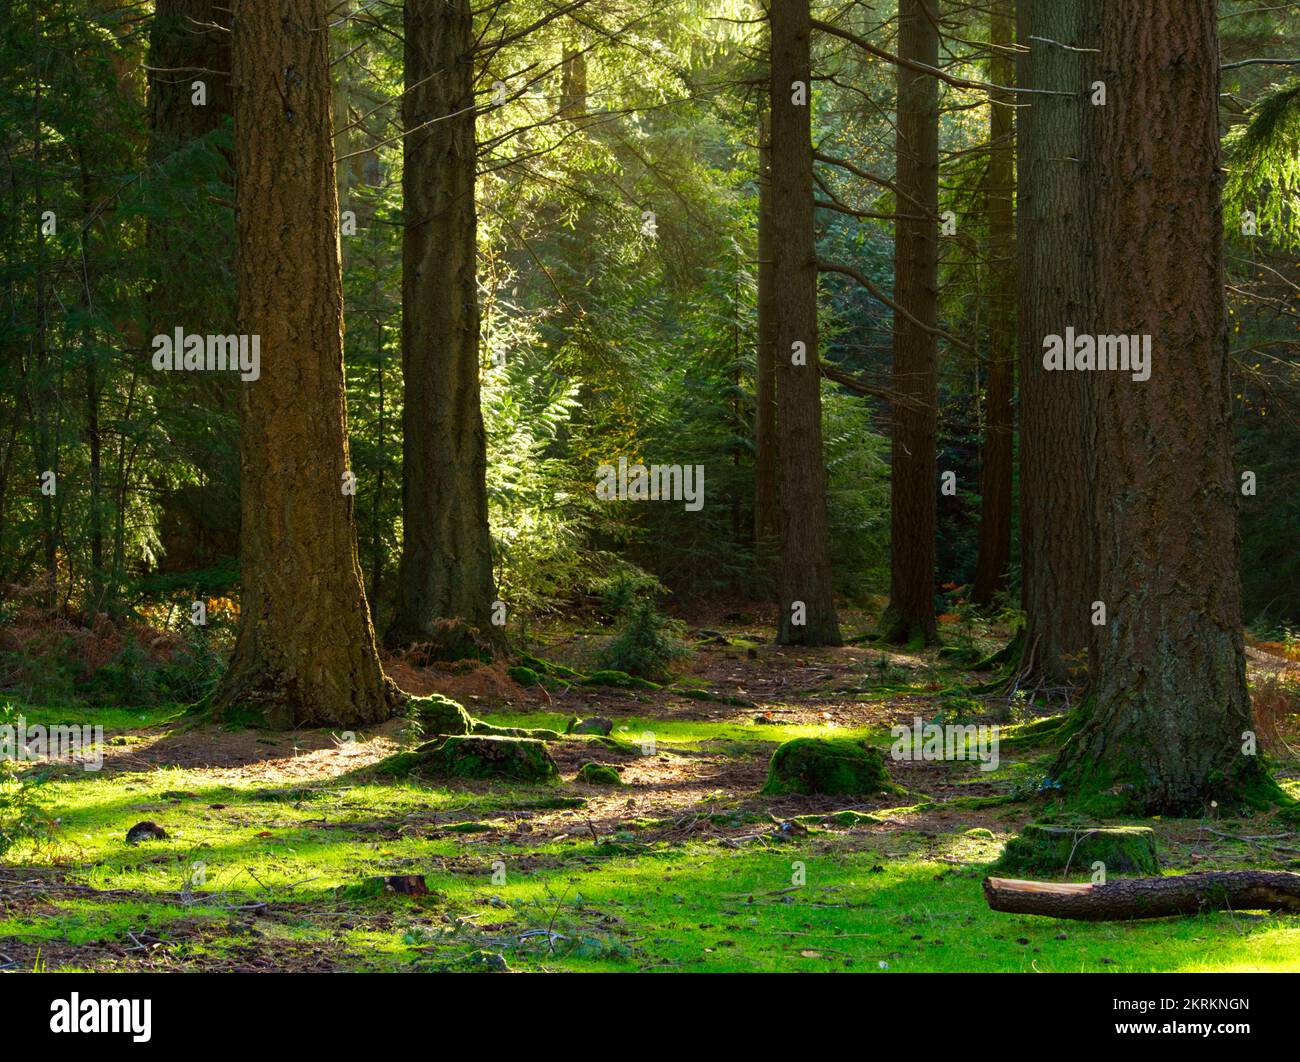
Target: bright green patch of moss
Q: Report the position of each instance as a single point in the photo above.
(827, 766)
(1045, 848)
(489, 756)
(598, 774)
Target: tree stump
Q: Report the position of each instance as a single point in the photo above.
(1049, 849)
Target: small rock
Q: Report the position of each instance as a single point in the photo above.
(595, 725)
(598, 774)
(145, 831)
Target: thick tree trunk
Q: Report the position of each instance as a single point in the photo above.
(995, 479)
(305, 654)
(914, 465)
(1168, 677)
(446, 567)
(1126, 898)
(804, 589)
(1053, 243)
(766, 522)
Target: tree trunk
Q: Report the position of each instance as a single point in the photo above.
(1126, 898)
(1165, 729)
(914, 475)
(446, 566)
(804, 589)
(995, 482)
(1053, 240)
(766, 524)
(305, 654)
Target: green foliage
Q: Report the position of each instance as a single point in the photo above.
(1263, 159)
(643, 647)
(24, 814)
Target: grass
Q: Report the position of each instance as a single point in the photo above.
(268, 844)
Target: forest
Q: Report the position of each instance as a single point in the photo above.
(734, 486)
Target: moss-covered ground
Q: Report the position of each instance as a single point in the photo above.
(275, 842)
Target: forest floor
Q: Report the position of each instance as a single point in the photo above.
(274, 841)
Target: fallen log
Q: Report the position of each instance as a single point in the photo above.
(1125, 898)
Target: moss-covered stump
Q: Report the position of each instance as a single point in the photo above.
(1047, 849)
(827, 766)
(489, 756)
(598, 774)
(523, 675)
(439, 716)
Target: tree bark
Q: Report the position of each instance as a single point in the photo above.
(766, 516)
(1126, 898)
(1169, 680)
(914, 463)
(804, 585)
(1053, 241)
(995, 472)
(305, 654)
(446, 566)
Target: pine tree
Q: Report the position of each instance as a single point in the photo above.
(305, 653)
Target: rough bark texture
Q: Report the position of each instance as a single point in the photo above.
(766, 525)
(1053, 243)
(305, 653)
(914, 467)
(1168, 668)
(446, 566)
(805, 570)
(995, 471)
(1183, 894)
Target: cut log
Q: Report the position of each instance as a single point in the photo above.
(1222, 890)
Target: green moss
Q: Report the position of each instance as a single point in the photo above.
(489, 756)
(550, 669)
(1050, 727)
(598, 774)
(437, 714)
(1011, 651)
(839, 818)
(709, 695)
(594, 725)
(1049, 849)
(828, 766)
(619, 679)
(523, 675)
